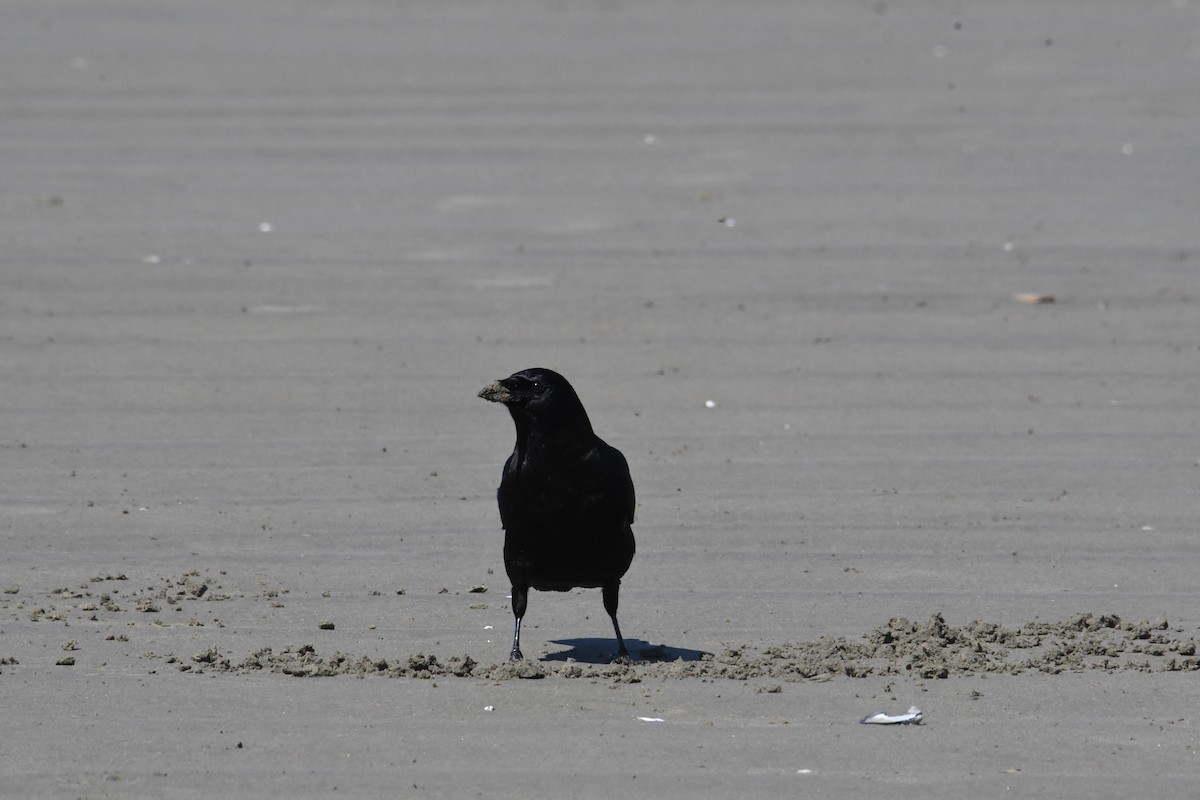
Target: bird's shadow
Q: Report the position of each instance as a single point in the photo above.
(602, 651)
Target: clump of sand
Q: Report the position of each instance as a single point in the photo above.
(932, 649)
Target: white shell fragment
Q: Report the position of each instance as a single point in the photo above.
(651, 719)
(912, 717)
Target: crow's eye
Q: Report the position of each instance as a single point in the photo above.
(537, 386)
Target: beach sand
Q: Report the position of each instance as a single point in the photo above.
(259, 258)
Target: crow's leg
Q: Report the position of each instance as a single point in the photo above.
(611, 589)
(520, 600)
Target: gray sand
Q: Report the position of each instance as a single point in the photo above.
(258, 258)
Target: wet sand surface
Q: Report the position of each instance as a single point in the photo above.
(259, 258)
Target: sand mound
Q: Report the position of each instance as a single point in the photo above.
(932, 649)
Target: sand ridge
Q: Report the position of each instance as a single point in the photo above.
(117, 606)
(899, 647)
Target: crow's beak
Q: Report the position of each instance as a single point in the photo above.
(497, 392)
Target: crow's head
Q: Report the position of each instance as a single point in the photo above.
(539, 396)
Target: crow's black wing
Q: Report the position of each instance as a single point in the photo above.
(613, 495)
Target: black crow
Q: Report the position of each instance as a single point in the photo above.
(566, 498)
